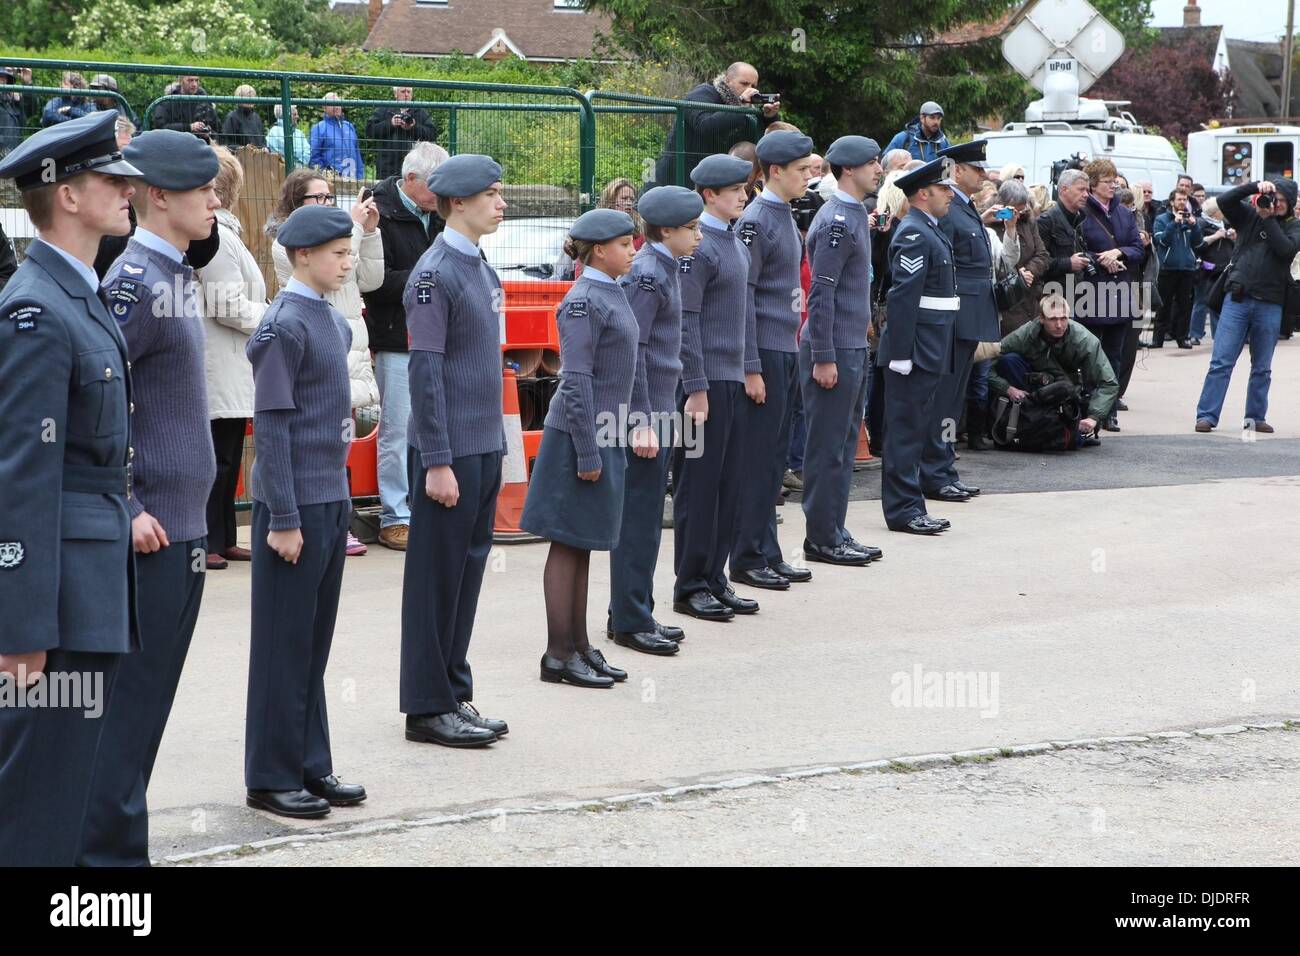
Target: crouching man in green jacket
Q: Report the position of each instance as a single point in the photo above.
(1058, 345)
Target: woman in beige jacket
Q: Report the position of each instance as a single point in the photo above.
(306, 186)
(233, 297)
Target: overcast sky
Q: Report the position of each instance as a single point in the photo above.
(1251, 20)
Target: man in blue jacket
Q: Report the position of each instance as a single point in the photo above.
(924, 136)
(1177, 237)
(334, 144)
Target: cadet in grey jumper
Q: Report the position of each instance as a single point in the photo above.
(713, 325)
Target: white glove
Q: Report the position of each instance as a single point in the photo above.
(901, 366)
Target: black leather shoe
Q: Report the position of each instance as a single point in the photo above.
(762, 578)
(574, 670)
(730, 599)
(875, 554)
(470, 713)
(841, 554)
(336, 792)
(1089, 441)
(705, 606)
(921, 524)
(289, 803)
(450, 729)
(1184, 344)
(596, 661)
(1121, 405)
(948, 493)
(647, 642)
(943, 523)
(1111, 424)
(669, 632)
(791, 573)
(969, 489)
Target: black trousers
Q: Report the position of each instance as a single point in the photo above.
(47, 762)
(910, 412)
(1112, 336)
(445, 559)
(286, 726)
(228, 443)
(1132, 339)
(1177, 291)
(834, 425)
(765, 444)
(706, 494)
(170, 589)
(938, 463)
(632, 563)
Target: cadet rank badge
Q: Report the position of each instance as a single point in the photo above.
(684, 264)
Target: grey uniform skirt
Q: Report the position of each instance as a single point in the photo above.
(562, 507)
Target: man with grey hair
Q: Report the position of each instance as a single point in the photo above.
(243, 126)
(1069, 263)
(895, 159)
(395, 129)
(716, 131)
(275, 137)
(409, 222)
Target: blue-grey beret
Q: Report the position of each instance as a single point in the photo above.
(170, 159)
(465, 175)
(602, 225)
(670, 206)
(87, 144)
(311, 225)
(783, 146)
(852, 151)
(720, 171)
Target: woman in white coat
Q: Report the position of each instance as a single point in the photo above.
(306, 186)
(233, 298)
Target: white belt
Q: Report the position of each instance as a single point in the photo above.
(941, 303)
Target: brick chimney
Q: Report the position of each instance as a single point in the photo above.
(1191, 14)
(376, 8)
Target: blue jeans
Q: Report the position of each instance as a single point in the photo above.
(1196, 329)
(1248, 322)
(978, 388)
(395, 409)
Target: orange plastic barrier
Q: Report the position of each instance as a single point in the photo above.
(514, 477)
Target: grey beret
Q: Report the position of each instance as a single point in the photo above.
(720, 170)
(931, 108)
(852, 151)
(670, 206)
(310, 226)
(465, 175)
(170, 159)
(783, 146)
(602, 225)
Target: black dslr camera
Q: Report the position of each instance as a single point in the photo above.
(763, 99)
(1076, 161)
(406, 116)
(805, 208)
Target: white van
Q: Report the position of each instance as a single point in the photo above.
(1037, 145)
(1228, 156)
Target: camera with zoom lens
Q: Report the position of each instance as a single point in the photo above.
(1264, 201)
(805, 208)
(1076, 161)
(406, 116)
(763, 99)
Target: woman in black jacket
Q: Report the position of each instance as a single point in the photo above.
(1216, 253)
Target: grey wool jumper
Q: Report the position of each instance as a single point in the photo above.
(154, 300)
(839, 262)
(774, 295)
(302, 409)
(713, 310)
(655, 296)
(453, 301)
(598, 350)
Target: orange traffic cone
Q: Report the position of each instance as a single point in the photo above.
(864, 446)
(514, 469)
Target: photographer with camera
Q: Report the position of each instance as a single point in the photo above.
(1177, 238)
(396, 129)
(1253, 292)
(188, 116)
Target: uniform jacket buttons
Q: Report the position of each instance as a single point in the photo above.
(108, 372)
(133, 408)
(130, 454)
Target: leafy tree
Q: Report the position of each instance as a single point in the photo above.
(38, 23)
(189, 27)
(309, 26)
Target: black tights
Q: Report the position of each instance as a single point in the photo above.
(564, 582)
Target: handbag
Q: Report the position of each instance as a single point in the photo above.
(1219, 291)
(1010, 291)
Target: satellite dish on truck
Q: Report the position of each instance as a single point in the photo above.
(1062, 47)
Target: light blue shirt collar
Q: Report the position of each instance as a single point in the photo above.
(958, 192)
(302, 289)
(459, 241)
(713, 222)
(157, 243)
(79, 267)
(926, 213)
(842, 196)
(591, 272)
(414, 210)
(661, 248)
(767, 196)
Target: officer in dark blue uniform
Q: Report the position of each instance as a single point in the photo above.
(977, 320)
(916, 347)
(66, 566)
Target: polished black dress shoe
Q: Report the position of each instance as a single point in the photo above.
(875, 554)
(669, 632)
(948, 493)
(573, 670)
(450, 730)
(791, 573)
(596, 661)
(470, 713)
(705, 606)
(841, 554)
(289, 803)
(335, 791)
(943, 523)
(729, 598)
(1121, 405)
(969, 489)
(762, 578)
(1111, 424)
(921, 524)
(647, 642)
